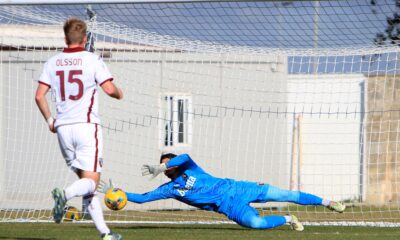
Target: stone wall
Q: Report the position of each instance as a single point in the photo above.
(382, 148)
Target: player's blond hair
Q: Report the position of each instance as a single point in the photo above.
(74, 30)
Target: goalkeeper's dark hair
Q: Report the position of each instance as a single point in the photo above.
(74, 30)
(167, 155)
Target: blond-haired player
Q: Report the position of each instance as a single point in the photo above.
(73, 76)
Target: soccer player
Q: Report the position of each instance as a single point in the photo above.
(73, 76)
(192, 185)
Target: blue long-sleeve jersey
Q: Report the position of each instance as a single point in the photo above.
(199, 189)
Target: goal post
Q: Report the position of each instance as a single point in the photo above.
(2, 158)
(295, 94)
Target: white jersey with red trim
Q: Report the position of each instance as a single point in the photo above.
(73, 76)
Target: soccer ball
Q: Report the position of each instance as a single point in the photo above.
(115, 199)
(71, 214)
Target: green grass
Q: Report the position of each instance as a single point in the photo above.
(46, 231)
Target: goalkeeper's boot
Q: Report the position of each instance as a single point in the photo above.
(295, 224)
(337, 206)
(59, 204)
(111, 236)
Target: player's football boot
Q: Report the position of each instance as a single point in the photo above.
(295, 224)
(59, 204)
(111, 236)
(337, 206)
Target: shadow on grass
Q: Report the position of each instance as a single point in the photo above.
(195, 227)
(26, 238)
(185, 227)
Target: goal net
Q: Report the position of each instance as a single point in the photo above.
(301, 95)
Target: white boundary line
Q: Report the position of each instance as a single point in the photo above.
(333, 224)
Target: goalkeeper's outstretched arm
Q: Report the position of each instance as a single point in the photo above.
(162, 192)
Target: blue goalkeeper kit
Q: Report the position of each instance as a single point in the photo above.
(199, 189)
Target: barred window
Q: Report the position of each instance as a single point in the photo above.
(176, 129)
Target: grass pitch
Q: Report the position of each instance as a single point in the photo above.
(46, 231)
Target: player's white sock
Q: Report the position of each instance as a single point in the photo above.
(96, 213)
(80, 187)
(326, 202)
(288, 218)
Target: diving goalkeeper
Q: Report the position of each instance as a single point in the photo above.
(192, 185)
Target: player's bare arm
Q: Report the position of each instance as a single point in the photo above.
(111, 90)
(41, 102)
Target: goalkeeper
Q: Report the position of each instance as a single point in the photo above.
(192, 185)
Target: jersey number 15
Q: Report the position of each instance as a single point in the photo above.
(72, 78)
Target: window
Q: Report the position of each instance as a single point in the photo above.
(176, 121)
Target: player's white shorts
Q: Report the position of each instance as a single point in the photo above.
(82, 146)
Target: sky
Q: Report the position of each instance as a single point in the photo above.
(283, 24)
(297, 24)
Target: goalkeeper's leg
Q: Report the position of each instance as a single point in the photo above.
(281, 195)
(250, 218)
(275, 194)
